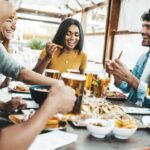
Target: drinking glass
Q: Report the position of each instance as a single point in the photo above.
(77, 82)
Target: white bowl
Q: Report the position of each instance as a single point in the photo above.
(98, 131)
(123, 133)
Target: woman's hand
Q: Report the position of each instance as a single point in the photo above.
(50, 49)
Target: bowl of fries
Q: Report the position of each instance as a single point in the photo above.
(99, 128)
(124, 128)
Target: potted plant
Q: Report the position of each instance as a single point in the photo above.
(36, 44)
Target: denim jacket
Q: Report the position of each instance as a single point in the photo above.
(8, 66)
(140, 94)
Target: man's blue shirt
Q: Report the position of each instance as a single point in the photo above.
(140, 93)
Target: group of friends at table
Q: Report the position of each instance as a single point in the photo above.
(64, 52)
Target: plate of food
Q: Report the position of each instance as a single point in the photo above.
(54, 123)
(115, 95)
(19, 88)
(146, 121)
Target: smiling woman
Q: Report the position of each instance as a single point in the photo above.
(7, 30)
(70, 36)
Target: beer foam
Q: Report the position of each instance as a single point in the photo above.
(73, 76)
(52, 71)
(91, 72)
(73, 70)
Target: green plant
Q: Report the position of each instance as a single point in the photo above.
(36, 43)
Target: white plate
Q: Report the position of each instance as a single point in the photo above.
(59, 128)
(79, 123)
(16, 119)
(13, 84)
(146, 121)
(136, 110)
(22, 95)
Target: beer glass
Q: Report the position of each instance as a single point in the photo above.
(77, 82)
(100, 86)
(148, 87)
(90, 77)
(52, 73)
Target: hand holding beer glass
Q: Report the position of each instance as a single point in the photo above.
(77, 82)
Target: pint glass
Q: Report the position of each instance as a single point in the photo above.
(76, 81)
(148, 87)
(90, 77)
(52, 73)
(100, 86)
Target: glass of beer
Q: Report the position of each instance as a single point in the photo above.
(148, 87)
(100, 86)
(77, 82)
(90, 77)
(52, 73)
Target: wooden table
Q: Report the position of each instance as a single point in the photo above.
(87, 142)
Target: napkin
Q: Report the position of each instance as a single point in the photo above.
(52, 140)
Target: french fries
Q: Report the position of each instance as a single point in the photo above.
(125, 123)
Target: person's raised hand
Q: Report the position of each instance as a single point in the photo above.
(50, 49)
(61, 98)
(109, 66)
(120, 70)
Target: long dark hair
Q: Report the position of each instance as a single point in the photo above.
(62, 31)
(146, 16)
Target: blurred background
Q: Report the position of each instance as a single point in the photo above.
(109, 27)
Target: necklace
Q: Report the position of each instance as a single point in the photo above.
(66, 61)
(69, 57)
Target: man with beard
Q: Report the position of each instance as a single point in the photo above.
(134, 82)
